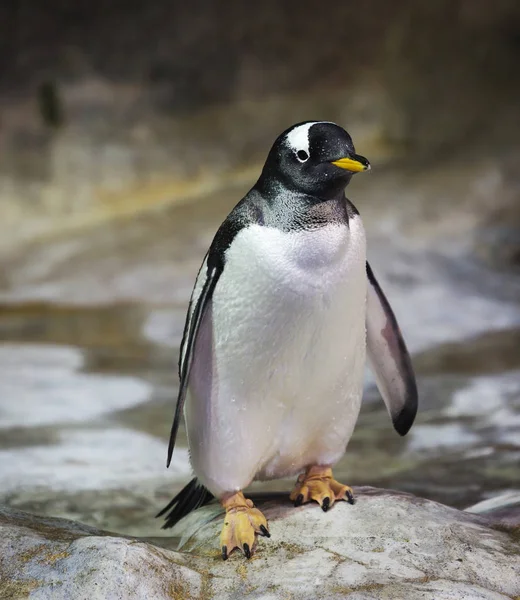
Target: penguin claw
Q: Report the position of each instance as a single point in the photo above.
(299, 500)
(317, 484)
(241, 525)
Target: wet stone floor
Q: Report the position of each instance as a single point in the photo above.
(90, 327)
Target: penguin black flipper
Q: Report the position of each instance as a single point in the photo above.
(244, 213)
(389, 358)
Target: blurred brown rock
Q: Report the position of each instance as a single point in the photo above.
(107, 108)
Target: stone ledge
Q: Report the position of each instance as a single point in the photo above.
(389, 545)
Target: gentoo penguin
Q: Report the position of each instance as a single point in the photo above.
(273, 353)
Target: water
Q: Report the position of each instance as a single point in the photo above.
(91, 325)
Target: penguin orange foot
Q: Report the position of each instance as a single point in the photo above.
(317, 484)
(241, 524)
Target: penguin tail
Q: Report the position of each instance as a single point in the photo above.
(192, 496)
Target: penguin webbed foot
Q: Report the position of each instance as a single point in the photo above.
(242, 523)
(318, 484)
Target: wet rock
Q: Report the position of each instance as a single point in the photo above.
(389, 545)
(486, 353)
(53, 558)
(499, 246)
(503, 509)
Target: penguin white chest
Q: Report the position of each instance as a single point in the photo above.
(295, 300)
(281, 362)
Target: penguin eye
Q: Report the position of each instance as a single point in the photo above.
(302, 155)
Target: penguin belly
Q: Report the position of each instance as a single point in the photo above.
(277, 376)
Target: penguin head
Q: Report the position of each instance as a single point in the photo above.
(316, 158)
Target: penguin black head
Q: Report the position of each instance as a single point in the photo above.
(316, 158)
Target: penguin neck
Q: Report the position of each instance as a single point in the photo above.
(290, 209)
(273, 187)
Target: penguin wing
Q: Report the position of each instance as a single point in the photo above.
(389, 358)
(199, 303)
(244, 213)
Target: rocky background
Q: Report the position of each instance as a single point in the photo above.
(127, 133)
(107, 108)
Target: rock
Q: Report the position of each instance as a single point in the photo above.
(108, 123)
(503, 510)
(389, 545)
(54, 558)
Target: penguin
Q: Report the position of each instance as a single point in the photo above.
(284, 313)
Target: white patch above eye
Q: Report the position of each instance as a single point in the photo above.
(298, 138)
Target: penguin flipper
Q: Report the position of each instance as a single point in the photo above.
(212, 267)
(389, 358)
(198, 307)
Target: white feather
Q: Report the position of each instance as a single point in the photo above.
(277, 376)
(384, 355)
(298, 137)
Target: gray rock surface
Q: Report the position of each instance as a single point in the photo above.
(389, 545)
(504, 509)
(57, 559)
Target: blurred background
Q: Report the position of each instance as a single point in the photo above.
(127, 133)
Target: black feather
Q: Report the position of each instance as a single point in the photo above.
(192, 496)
